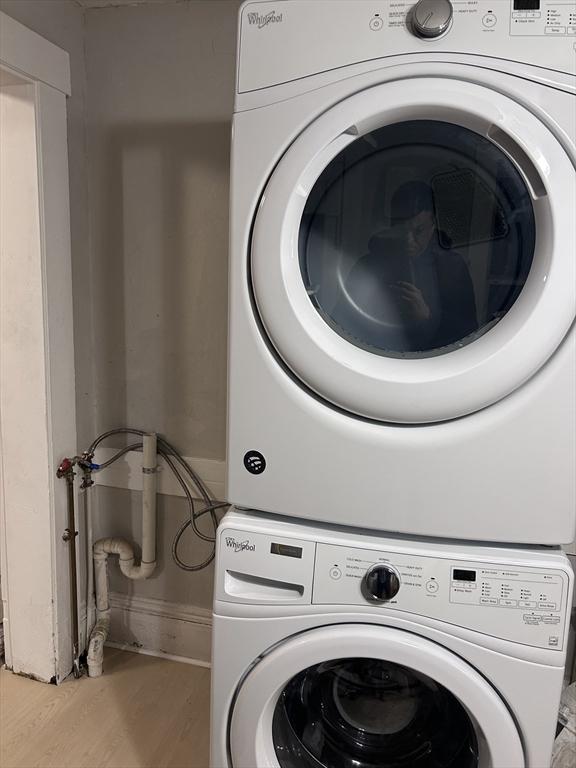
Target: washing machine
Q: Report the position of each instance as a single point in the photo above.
(335, 648)
(403, 266)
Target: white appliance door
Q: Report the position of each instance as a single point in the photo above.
(361, 696)
(412, 257)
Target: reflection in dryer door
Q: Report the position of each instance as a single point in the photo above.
(417, 239)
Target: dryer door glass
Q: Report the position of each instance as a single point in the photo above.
(370, 713)
(416, 239)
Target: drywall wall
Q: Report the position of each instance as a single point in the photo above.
(160, 98)
(160, 83)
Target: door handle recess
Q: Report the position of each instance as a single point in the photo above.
(258, 588)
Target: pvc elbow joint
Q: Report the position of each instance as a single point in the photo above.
(136, 572)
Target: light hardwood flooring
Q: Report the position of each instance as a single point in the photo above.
(144, 712)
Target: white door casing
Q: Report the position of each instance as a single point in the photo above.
(37, 395)
(467, 379)
(251, 742)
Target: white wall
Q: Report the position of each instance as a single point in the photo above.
(160, 85)
(160, 98)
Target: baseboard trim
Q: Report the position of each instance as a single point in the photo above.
(158, 654)
(161, 628)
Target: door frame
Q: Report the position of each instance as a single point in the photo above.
(38, 426)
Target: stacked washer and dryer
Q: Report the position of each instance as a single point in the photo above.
(390, 588)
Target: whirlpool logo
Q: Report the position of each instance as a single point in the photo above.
(262, 20)
(240, 546)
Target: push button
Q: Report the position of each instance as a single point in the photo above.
(488, 601)
(532, 619)
(335, 573)
(376, 23)
(432, 587)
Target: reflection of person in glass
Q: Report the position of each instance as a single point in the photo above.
(408, 294)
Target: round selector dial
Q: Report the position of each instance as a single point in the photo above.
(431, 18)
(381, 583)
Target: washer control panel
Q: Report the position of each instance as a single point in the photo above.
(525, 605)
(460, 586)
(505, 589)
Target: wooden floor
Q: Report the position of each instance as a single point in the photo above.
(144, 712)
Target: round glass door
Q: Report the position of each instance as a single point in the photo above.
(411, 258)
(416, 239)
(369, 713)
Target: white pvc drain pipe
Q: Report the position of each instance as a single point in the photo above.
(125, 551)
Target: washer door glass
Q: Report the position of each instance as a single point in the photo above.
(370, 713)
(417, 239)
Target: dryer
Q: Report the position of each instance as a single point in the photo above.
(403, 271)
(340, 649)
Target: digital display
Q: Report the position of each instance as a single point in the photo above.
(286, 550)
(526, 5)
(460, 575)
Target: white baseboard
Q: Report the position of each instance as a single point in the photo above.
(127, 473)
(160, 628)
(158, 654)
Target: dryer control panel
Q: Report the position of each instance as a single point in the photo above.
(281, 42)
(543, 17)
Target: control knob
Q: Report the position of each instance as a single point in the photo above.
(380, 583)
(431, 18)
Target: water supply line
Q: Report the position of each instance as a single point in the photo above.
(85, 485)
(66, 470)
(103, 548)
